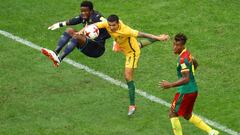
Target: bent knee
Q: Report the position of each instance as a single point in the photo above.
(80, 38)
(128, 75)
(172, 114)
(187, 116)
(128, 78)
(70, 31)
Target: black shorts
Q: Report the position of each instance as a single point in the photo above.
(92, 48)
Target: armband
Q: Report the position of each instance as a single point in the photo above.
(61, 24)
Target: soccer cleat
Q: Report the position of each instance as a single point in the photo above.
(116, 47)
(51, 55)
(131, 110)
(214, 132)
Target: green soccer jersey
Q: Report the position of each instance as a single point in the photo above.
(185, 64)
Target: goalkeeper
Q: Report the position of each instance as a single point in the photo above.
(92, 48)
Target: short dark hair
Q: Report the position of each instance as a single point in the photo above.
(180, 37)
(88, 4)
(113, 18)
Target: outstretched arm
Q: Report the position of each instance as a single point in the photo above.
(162, 37)
(73, 21)
(57, 25)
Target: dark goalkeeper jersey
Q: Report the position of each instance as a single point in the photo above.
(95, 17)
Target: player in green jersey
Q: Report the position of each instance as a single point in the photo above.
(184, 99)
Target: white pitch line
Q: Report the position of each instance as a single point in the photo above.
(116, 82)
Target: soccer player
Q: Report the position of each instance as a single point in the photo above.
(92, 48)
(184, 99)
(126, 38)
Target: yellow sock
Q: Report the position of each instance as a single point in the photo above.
(198, 122)
(177, 128)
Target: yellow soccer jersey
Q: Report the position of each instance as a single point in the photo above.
(124, 36)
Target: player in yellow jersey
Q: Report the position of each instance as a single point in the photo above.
(126, 38)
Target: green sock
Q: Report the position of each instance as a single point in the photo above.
(131, 92)
(146, 41)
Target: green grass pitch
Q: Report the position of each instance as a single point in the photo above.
(36, 98)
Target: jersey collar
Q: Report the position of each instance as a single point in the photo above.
(120, 25)
(184, 50)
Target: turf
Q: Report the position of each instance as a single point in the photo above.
(36, 98)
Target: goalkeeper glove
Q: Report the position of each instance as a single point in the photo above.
(57, 25)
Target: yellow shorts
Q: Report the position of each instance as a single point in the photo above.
(132, 60)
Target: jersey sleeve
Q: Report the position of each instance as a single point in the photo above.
(130, 32)
(75, 20)
(97, 17)
(184, 63)
(100, 25)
